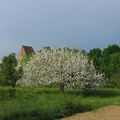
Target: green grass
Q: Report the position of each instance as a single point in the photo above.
(49, 104)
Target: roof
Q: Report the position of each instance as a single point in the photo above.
(28, 49)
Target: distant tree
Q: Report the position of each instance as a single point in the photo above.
(107, 62)
(96, 55)
(63, 67)
(113, 70)
(114, 65)
(116, 78)
(107, 53)
(8, 71)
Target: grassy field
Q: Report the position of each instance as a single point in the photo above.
(49, 104)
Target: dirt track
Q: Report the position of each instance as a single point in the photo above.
(106, 113)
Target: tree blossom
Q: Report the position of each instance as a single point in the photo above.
(64, 67)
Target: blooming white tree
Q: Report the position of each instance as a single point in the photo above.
(63, 67)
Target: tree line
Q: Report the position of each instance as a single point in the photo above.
(106, 61)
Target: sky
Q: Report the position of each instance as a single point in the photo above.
(84, 24)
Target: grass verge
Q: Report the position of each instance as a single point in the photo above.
(49, 104)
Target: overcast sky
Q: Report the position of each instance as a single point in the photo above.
(82, 24)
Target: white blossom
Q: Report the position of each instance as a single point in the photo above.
(61, 66)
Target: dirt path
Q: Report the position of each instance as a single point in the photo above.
(106, 113)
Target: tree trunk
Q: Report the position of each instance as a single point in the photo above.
(61, 87)
(12, 92)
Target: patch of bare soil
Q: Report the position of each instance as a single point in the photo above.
(106, 113)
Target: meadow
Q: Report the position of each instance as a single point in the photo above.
(50, 104)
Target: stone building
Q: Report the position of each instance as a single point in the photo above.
(25, 51)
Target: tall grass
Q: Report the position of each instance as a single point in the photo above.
(49, 104)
